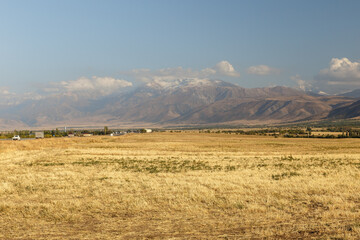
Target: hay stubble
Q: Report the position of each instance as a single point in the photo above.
(180, 185)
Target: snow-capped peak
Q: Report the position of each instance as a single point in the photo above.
(184, 82)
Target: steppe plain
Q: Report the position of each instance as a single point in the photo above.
(184, 185)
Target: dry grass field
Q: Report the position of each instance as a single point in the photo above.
(180, 186)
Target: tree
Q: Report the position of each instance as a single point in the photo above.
(106, 129)
(308, 129)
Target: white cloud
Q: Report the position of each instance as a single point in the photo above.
(226, 69)
(342, 69)
(4, 91)
(262, 70)
(341, 75)
(302, 84)
(221, 69)
(9, 98)
(96, 85)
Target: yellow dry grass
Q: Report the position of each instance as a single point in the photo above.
(180, 185)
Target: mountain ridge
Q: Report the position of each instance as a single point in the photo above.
(184, 101)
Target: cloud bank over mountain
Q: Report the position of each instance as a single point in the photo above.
(221, 69)
(102, 86)
(341, 75)
(95, 85)
(302, 84)
(262, 70)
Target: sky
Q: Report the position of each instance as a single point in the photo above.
(48, 45)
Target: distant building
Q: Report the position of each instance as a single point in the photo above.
(39, 135)
(148, 130)
(118, 133)
(87, 135)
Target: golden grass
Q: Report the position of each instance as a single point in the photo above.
(180, 185)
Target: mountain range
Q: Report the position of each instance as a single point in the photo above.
(179, 103)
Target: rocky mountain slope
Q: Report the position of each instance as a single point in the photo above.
(181, 102)
(348, 111)
(352, 94)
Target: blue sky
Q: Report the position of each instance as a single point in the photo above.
(309, 44)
